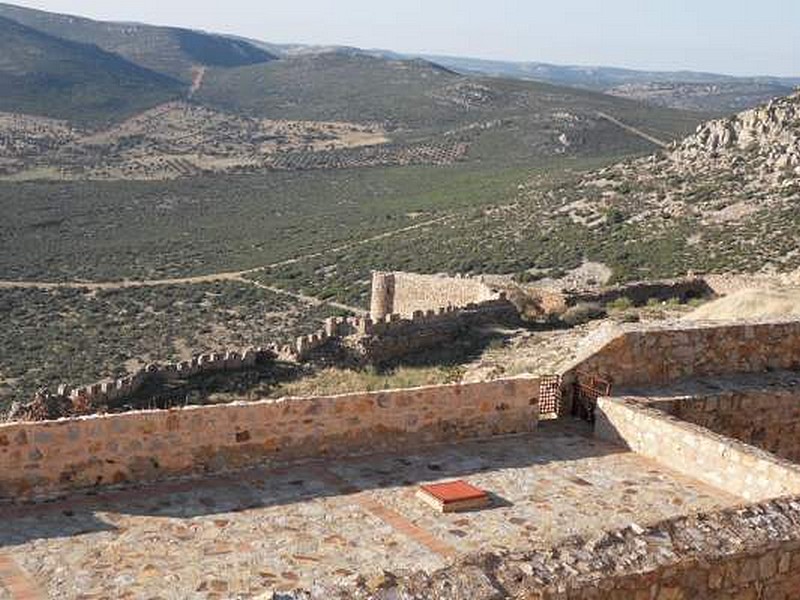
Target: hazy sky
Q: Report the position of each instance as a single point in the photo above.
(730, 36)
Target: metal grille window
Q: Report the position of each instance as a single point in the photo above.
(550, 395)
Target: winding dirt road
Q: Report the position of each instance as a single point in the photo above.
(633, 130)
(232, 276)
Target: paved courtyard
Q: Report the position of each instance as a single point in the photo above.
(241, 535)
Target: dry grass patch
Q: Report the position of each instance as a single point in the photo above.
(331, 381)
(751, 304)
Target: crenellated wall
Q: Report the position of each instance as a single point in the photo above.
(406, 293)
(84, 398)
(363, 340)
(48, 458)
(395, 337)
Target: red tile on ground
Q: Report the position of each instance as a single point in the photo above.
(453, 496)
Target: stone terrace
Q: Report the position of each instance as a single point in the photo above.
(243, 535)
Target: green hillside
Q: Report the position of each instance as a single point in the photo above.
(44, 75)
(168, 50)
(502, 119)
(335, 87)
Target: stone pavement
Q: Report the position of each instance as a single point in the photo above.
(242, 535)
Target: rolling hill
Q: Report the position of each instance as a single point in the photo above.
(329, 112)
(168, 50)
(45, 75)
(686, 90)
(417, 99)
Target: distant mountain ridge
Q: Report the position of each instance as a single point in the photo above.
(687, 90)
(45, 75)
(179, 52)
(171, 51)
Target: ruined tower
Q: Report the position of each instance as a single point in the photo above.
(382, 302)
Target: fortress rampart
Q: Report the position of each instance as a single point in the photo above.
(406, 293)
(365, 340)
(48, 458)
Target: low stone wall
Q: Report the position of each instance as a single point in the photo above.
(48, 458)
(550, 300)
(641, 292)
(768, 419)
(661, 354)
(406, 293)
(749, 553)
(727, 464)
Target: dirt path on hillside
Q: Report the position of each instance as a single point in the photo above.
(230, 276)
(211, 277)
(633, 130)
(306, 299)
(198, 75)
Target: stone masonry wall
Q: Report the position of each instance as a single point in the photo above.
(552, 300)
(395, 337)
(749, 553)
(660, 354)
(84, 398)
(768, 419)
(727, 464)
(406, 293)
(48, 458)
(387, 339)
(640, 293)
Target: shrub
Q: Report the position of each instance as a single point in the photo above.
(620, 304)
(582, 313)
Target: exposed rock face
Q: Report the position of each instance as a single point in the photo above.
(726, 198)
(765, 140)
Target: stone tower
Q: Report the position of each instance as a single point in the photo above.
(382, 302)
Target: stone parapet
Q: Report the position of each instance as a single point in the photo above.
(722, 462)
(743, 553)
(48, 458)
(663, 353)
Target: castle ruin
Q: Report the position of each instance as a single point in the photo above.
(667, 469)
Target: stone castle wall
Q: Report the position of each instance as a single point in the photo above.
(48, 458)
(750, 553)
(116, 390)
(395, 337)
(406, 293)
(767, 418)
(722, 462)
(368, 341)
(660, 354)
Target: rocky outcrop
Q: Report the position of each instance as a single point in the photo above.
(765, 140)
